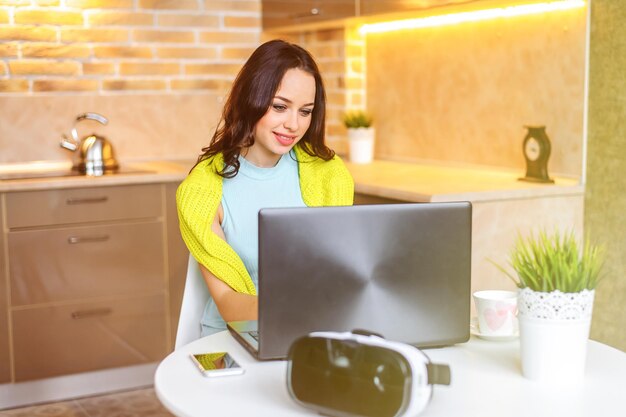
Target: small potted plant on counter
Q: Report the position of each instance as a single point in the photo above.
(557, 280)
(360, 136)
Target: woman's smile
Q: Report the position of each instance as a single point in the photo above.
(285, 140)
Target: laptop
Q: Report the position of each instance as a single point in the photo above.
(399, 270)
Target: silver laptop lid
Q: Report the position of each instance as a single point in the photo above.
(400, 270)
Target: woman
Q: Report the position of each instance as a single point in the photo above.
(268, 151)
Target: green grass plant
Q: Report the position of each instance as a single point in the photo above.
(549, 262)
(357, 118)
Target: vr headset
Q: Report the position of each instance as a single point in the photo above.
(361, 374)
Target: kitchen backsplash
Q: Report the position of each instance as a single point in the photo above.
(140, 126)
(463, 93)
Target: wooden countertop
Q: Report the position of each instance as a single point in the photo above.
(394, 180)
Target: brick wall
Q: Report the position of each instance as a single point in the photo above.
(113, 46)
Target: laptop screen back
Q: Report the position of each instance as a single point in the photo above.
(399, 270)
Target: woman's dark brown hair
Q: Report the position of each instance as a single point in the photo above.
(251, 96)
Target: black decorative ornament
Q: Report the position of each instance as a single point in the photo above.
(536, 147)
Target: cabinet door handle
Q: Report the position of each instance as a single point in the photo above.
(96, 312)
(72, 240)
(86, 200)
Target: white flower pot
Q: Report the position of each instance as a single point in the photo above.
(361, 145)
(554, 329)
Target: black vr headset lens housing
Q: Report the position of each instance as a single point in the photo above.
(346, 377)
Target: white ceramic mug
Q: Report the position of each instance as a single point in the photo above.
(497, 311)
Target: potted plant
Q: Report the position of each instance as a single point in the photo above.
(557, 280)
(360, 136)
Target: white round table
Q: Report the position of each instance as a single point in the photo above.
(486, 381)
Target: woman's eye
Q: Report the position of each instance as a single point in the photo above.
(306, 112)
(279, 107)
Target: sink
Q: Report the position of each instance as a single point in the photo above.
(61, 173)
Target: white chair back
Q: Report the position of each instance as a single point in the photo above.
(195, 297)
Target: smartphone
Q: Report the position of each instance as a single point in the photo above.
(216, 364)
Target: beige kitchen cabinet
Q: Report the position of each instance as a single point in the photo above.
(115, 260)
(373, 199)
(81, 205)
(379, 7)
(295, 15)
(5, 360)
(89, 272)
(371, 7)
(281, 14)
(62, 339)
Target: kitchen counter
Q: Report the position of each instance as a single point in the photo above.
(387, 179)
(136, 172)
(435, 183)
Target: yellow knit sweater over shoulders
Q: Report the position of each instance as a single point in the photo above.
(322, 183)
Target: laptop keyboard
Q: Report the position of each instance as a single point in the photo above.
(255, 335)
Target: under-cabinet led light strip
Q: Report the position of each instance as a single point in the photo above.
(473, 16)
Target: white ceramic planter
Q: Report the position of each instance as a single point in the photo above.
(554, 329)
(361, 145)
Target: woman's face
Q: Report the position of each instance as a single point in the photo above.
(286, 121)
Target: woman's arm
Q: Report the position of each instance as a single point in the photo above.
(232, 305)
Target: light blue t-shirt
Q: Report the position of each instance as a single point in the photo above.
(252, 189)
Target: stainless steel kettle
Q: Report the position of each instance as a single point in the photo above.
(94, 154)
